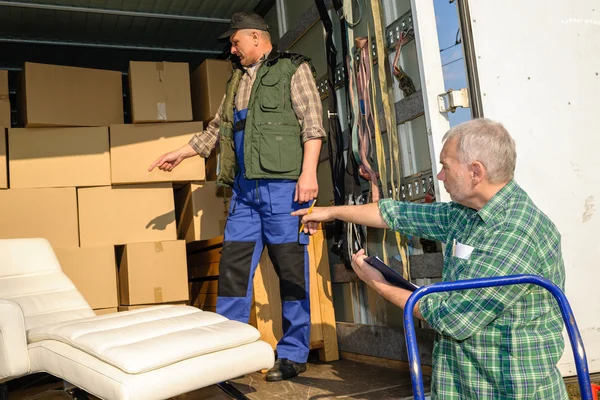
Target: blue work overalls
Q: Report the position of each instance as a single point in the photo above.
(259, 215)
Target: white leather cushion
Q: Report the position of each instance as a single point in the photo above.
(143, 340)
(30, 275)
(107, 382)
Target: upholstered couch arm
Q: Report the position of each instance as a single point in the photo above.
(14, 357)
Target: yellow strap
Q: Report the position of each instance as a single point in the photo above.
(392, 132)
(378, 145)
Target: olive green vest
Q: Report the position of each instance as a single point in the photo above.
(272, 142)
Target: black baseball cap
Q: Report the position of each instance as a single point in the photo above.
(245, 20)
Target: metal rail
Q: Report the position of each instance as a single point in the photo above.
(108, 11)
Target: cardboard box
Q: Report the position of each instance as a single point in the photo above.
(126, 214)
(140, 306)
(209, 82)
(160, 91)
(40, 213)
(4, 100)
(134, 147)
(202, 210)
(93, 271)
(58, 157)
(103, 311)
(55, 95)
(153, 273)
(3, 164)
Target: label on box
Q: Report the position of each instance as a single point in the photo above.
(162, 111)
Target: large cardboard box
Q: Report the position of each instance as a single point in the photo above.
(93, 271)
(202, 209)
(40, 213)
(3, 164)
(209, 82)
(160, 91)
(151, 273)
(58, 157)
(4, 100)
(134, 147)
(126, 214)
(56, 95)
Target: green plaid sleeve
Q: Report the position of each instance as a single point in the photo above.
(430, 221)
(461, 314)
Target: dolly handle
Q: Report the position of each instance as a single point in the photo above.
(583, 375)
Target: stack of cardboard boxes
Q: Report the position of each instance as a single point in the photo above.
(78, 176)
(202, 206)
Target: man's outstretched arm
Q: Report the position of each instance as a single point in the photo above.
(367, 214)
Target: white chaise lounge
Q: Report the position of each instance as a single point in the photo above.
(152, 353)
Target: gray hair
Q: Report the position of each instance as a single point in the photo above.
(489, 143)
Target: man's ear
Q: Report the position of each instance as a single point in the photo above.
(477, 172)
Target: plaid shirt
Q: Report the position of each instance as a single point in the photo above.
(491, 343)
(305, 102)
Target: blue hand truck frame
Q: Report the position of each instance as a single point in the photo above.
(414, 360)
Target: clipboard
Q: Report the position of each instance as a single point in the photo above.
(390, 275)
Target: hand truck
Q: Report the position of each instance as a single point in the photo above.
(416, 376)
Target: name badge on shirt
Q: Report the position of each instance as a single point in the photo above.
(460, 250)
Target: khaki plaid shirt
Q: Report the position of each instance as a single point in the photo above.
(305, 102)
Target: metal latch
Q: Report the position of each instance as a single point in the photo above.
(452, 99)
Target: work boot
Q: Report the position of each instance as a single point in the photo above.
(285, 369)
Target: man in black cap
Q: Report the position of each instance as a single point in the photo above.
(270, 131)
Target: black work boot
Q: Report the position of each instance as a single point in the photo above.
(285, 369)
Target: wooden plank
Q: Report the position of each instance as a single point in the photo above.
(204, 287)
(316, 344)
(202, 271)
(204, 257)
(316, 331)
(203, 245)
(203, 300)
(329, 352)
(267, 302)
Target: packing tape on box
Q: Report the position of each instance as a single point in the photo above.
(160, 67)
(158, 294)
(161, 111)
(158, 247)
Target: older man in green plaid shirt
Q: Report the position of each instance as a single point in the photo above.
(491, 343)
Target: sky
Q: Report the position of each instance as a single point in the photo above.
(452, 59)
